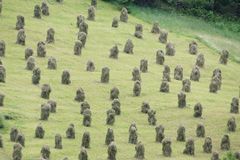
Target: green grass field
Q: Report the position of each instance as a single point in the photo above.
(23, 100)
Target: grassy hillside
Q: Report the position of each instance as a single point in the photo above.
(23, 99)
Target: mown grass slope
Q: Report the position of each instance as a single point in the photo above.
(23, 99)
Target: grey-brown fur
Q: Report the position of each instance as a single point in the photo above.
(41, 49)
(91, 13)
(87, 117)
(13, 134)
(28, 53)
(80, 95)
(39, 132)
(164, 87)
(114, 52)
(138, 31)
(198, 110)
(2, 74)
(200, 61)
(2, 48)
(66, 77)
(200, 130)
(136, 75)
(137, 88)
(20, 139)
(105, 75)
(207, 146)
(109, 136)
(84, 105)
(189, 147)
(170, 49)
(2, 96)
(112, 151)
(114, 93)
(94, 3)
(145, 107)
(36, 76)
(45, 152)
(144, 65)
(140, 151)
(20, 22)
(155, 28)
(225, 143)
(50, 36)
(124, 15)
(45, 111)
(133, 137)
(195, 74)
(30, 63)
(82, 36)
(17, 152)
(166, 147)
(166, 73)
(80, 19)
(160, 57)
(115, 22)
(58, 141)
(116, 106)
(181, 100)
(86, 140)
(45, 9)
(52, 63)
(193, 48)
(159, 133)
(1, 142)
(178, 72)
(83, 27)
(110, 117)
(151, 117)
(163, 36)
(231, 124)
(234, 105)
(46, 90)
(78, 47)
(128, 48)
(90, 66)
(181, 134)
(53, 106)
(70, 132)
(37, 11)
(21, 36)
(224, 57)
(83, 155)
(215, 156)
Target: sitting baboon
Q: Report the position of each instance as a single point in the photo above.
(50, 35)
(197, 110)
(116, 106)
(137, 88)
(21, 36)
(140, 151)
(189, 147)
(2, 48)
(115, 22)
(39, 132)
(133, 137)
(114, 52)
(155, 28)
(145, 107)
(105, 75)
(163, 36)
(112, 151)
(144, 65)
(224, 57)
(91, 13)
(186, 85)
(181, 134)
(58, 141)
(200, 130)
(193, 47)
(52, 63)
(28, 53)
(114, 93)
(45, 9)
(110, 117)
(46, 90)
(159, 133)
(83, 155)
(37, 11)
(90, 66)
(128, 48)
(45, 152)
(80, 95)
(86, 140)
(138, 31)
(151, 117)
(84, 105)
(207, 146)
(160, 57)
(195, 74)
(166, 147)
(225, 143)
(87, 119)
(178, 72)
(170, 49)
(70, 132)
(124, 15)
(136, 75)
(41, 49)
(109, 136)
(20, 22)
